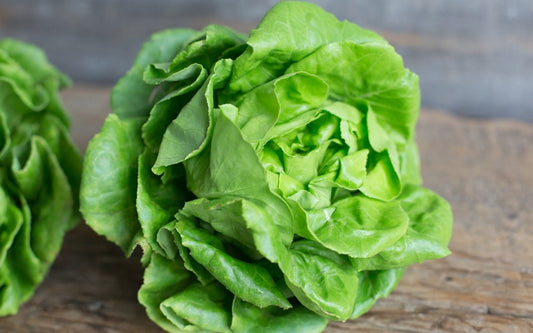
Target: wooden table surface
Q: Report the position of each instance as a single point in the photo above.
(483, 167)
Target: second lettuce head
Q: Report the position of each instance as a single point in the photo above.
(272, 182)
(40, 171)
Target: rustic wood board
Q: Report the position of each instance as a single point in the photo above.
(484, 168)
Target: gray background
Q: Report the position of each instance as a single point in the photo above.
(474, 57)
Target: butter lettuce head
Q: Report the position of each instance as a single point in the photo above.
(40, 171)
(272, 181)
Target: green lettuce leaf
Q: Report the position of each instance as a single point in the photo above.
(249, 318)
(273, 181)
(108, 203)
(40, 171)
(427, 237)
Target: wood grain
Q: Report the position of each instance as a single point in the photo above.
(482, 167)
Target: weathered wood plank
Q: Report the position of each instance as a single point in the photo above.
(482, 167)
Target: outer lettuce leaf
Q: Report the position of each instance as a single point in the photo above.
(272, 182)
(39, 171)
(19, 281)
(374, 285)
(247, 281)
(187, 134)
(357, 226)
(108, 203)
(188, 80)
(288, 33)
(427, 237)
(248, 318)
(301, 264)
(11, 220)
(199, 307)
(131, 96)
(162, 279)
(313, 272)
(156, 200)
(170, 241)
(51, 205)
(226, 216)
